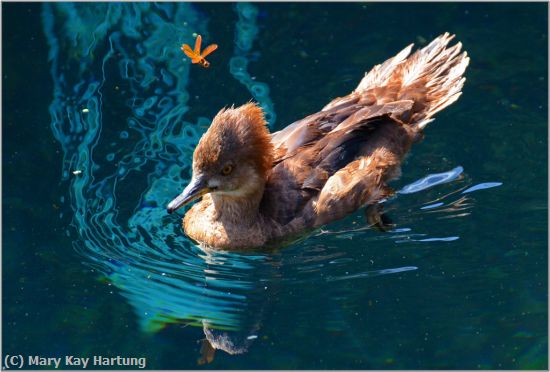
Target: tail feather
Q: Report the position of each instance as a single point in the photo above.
(431, 77)
(379, 75)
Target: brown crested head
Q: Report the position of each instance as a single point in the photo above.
(233, 158)
(236, 136)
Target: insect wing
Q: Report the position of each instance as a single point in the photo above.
(198, 42)
(188, 51)
(209, 49)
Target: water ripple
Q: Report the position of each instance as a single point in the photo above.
(432, 180)
(482, 186)
(119, 111)
(371, 273)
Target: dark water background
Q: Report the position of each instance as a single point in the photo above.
(461, 284)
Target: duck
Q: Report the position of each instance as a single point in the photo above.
(260, 189)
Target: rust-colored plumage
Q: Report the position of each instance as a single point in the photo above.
(265, 189)
(235, 131)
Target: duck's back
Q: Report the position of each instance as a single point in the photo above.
(333, 162)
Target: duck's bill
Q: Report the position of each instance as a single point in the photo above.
(194, 190)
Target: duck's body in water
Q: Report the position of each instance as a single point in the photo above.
(260, 189)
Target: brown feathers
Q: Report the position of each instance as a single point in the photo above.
(237, 134)
(325, 166)
(431, 78)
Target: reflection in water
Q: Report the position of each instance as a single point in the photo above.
(432, 180)
(481, 186)
(119, 106)
(245, 33)
(367, 274)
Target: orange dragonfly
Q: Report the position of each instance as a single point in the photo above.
(196, 55)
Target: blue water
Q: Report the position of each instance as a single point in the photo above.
(101, 113)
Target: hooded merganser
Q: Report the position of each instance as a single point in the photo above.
(263, 189)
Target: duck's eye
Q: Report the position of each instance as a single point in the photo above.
(226, 171)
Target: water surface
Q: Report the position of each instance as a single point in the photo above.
(100, 117)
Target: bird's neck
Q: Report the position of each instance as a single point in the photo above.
(240, 209)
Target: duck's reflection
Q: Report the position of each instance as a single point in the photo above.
(257, 275)
(225, 294)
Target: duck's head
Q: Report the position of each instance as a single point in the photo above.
(233, 158)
